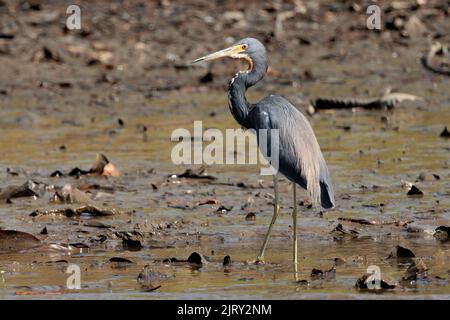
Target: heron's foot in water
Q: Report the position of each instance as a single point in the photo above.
(258, 261)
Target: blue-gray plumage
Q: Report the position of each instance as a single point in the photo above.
(300, 157)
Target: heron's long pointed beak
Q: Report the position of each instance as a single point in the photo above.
(232, 52)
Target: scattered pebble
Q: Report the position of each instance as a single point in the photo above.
(120, 260)
(414, 191)
(401, 252)
(317, 274)
(251, 216)
(196, 258)
(362, 284)
(445, 133)
(226, 260)
(442, 233)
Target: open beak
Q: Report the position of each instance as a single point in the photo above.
(232, 52)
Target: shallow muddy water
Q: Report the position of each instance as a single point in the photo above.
(404, 153)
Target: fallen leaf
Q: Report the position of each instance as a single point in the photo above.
(401, 252)
(11, 241)
(361, 284)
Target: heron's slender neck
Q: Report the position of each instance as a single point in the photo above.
(239, 106)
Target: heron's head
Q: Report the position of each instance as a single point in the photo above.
(249, 49)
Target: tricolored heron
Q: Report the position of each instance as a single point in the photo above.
(300, 157)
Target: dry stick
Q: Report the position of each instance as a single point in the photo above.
(368, 222)
(388, 100)
(69, 212)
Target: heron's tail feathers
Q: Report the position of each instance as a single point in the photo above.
(326, 196)
(319, 186)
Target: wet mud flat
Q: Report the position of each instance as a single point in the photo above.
(131, 220)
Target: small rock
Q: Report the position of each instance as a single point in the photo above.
(11, 241)
(445, 133)
(102, 166)
(362, 284)
(194, 174)
(79, 245)
(250, 217)
(339, 232)
(428, 177)
(246, 279)
(317, 274)
(227, 260)
(208, 77)
(224, 209)
(401, 252)
(132, 243)
(303, 282)
(120, 260)
(414, 191)
(56, 174)
(414, 229)
(415, 271)
(442, 233)
(196, 258)
(414, 27)
(149, 279)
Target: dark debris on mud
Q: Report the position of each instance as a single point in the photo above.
(102, 167)
(367, 283)
(317, 274)
(70, 212)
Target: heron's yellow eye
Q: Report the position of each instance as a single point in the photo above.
(244, 47)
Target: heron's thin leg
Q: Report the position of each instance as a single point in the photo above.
(276, 210)
(294, 225)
